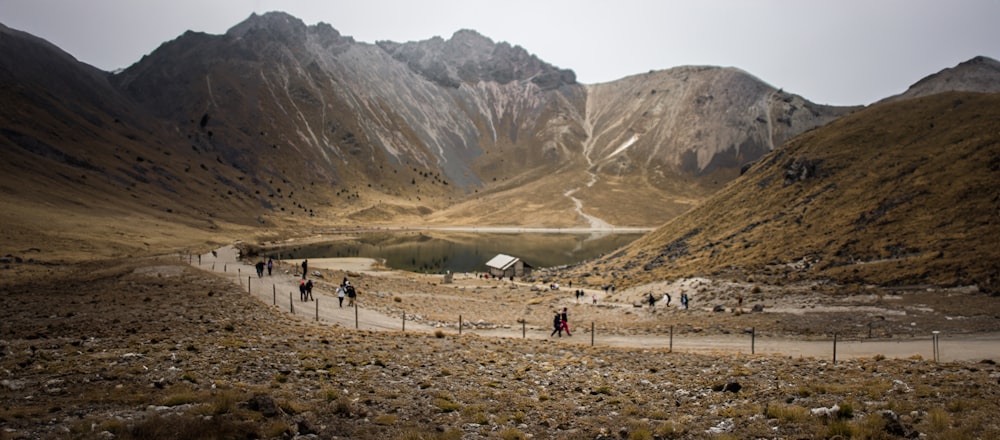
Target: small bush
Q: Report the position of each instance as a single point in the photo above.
(439, 333)
(445, 405)
(512, 434)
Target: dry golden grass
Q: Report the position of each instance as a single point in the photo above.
(901, 193)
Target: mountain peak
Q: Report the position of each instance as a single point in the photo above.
(273, 23)
(978, 74)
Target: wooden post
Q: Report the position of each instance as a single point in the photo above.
(291, 304)
(869, 330)
(248, 285)
(834, 349)
(459, 324)
(671, 339)
(937, 350)
(317, 309)
(753, 339)
(404, 321)
(524, 329)
(591, 333)
(274, 293)
(356, 325)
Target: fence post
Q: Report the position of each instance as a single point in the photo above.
(404, 320)
(274, 294)
(524, 329)
(591, 333)
(937, 350)
(671, 339)
(356, 325)
(248, 285)
(459, 324)
(317, 309)
(291, 304)
(753, 339)
(834, 349)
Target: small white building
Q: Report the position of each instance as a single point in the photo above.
(507, 266)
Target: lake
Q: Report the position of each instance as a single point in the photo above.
(433, 251)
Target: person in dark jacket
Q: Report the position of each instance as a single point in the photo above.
(557, 324)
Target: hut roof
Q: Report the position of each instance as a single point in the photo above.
(502, 261)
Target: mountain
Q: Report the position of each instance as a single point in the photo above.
(457, 128)
(900, 193)
(276, 124)
(82, 159)
(979, 74)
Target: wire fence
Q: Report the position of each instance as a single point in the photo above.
(746, 341)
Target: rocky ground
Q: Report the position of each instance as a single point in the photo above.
(157, 348)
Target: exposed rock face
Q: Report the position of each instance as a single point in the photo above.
(469, 57)
(274, 108)
(694, 120)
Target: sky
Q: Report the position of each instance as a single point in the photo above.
(844, 52)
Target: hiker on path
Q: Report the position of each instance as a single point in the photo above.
(305, 268)
(340, 295)
(652, 300)
(556, 324)
(685, 300)
(270, 265)
(302, 290)
(564, 321)
(351, 293)
(309, 290)
(260, 268)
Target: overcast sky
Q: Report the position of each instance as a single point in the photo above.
(833, 52)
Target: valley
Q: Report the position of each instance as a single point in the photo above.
(785, 221)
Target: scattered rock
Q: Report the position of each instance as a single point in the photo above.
(264, 405)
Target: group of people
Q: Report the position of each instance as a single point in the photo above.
(260, 267)
(560, 323)
(684, 300)
(580, 294)
(306, 290)
(345, 289)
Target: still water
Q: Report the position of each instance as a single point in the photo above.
(439, 251)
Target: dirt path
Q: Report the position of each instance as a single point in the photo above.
(281, 291)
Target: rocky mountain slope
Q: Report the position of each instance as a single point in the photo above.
(902, 193)
(980, 74)
(275, 119)
(283, 125)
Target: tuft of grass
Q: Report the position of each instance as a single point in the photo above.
(790, 414)
(386, 419)
(512, 434)
(439, 333)
(446, 405)
(938, 420)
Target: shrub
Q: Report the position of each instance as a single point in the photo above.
(512, 434)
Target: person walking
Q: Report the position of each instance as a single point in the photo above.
(270, 265)
(340, 295)
(260, 268)
(556, 324)
(305, 268)
(309, 290)
(351, 293)
(302, 290)
(564, 320)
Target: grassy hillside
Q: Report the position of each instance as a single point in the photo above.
(896, 194)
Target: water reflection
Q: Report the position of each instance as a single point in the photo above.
(439, 251)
